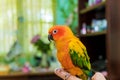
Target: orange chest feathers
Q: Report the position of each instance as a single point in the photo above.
(64, 57)
(66, 62)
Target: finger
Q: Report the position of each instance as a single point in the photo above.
(61, 73)
(65, 75)
(98, 76)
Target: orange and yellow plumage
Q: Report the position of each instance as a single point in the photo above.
(71, 52)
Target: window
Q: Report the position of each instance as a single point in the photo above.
(8, 24)
(22, 19)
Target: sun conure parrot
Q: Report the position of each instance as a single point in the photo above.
(71, 52)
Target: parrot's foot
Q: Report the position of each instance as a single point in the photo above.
(63, 72)
(67, 76)
(59, 69)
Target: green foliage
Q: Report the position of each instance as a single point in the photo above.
(44, 47)
(67, 13)
(40, 44)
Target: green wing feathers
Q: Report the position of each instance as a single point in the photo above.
(79, 56)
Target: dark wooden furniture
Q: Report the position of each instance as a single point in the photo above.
(30, 76)
(113, 39)
(107, 42)
(95, 42)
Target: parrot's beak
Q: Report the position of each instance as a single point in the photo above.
(50, 37)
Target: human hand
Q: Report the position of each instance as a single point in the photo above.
(98, 76)
(67, 76)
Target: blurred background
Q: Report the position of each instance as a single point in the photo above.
(24, 28)
(26, 53)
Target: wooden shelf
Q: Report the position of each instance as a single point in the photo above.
(93, 34)
(94, 41)
(92, 7)
(42, 75)
(29, 73)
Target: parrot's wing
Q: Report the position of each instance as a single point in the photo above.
(79, 56)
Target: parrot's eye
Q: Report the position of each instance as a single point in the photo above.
(55, 31)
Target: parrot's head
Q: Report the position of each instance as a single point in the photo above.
(59, 32)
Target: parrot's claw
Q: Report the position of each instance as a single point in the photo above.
(67, 76)
(58, 69)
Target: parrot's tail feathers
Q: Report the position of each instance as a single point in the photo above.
(91, 73)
